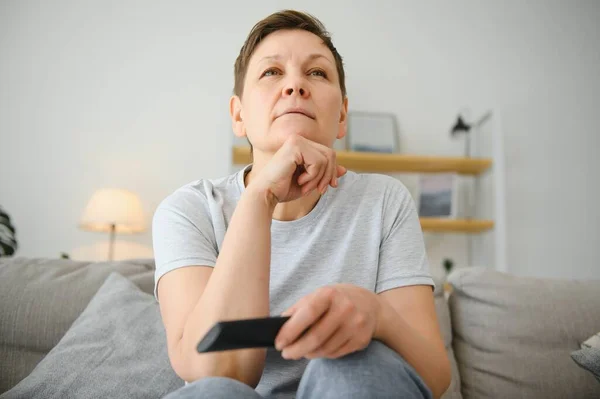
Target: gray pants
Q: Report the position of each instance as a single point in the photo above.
(376, 372)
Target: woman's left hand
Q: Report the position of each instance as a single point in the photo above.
(338, 319)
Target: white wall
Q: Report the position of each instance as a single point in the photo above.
(134, 95)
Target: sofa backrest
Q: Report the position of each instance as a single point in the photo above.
(512, 336)
(41, 298)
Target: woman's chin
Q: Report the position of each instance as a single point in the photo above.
(276, 138)
(301, 133)
(308, 132)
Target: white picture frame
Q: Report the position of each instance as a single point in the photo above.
(372, 132)
(437, 195)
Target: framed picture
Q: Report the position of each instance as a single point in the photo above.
(372, 132)
(438, 195)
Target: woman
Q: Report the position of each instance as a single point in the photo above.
(296, 234)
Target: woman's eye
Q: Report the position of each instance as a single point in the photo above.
(270, 72)
(318, 72)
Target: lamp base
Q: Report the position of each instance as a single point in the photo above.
(111, 242)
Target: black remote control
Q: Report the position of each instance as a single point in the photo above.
(242, 334)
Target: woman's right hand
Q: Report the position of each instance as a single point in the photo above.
(297, 168)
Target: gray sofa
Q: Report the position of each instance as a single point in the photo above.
(77, 329)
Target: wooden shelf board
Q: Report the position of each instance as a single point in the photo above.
(399, 163)
(456, 225)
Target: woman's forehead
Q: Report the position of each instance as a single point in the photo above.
(286, 44)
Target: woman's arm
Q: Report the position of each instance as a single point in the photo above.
(192, 299)
(408, 324)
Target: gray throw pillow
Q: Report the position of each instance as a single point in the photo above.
(115, 349)
(588, 357)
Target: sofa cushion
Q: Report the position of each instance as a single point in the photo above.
(443, 314)
(592, 342)
(115, 348)
(41, 298)
(588, 357)
(513, 336)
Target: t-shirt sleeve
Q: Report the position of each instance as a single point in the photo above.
(402, 257)
(182, 234)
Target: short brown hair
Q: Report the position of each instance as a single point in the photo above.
(286, 19)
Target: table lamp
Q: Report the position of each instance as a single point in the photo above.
(463, 127)
(113, 211)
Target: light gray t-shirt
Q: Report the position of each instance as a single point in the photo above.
(365, 232)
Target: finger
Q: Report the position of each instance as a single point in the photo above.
(330, 154)
(339, 171)
(306, 160)
(311, 310)
(329, 178)
(306, 176)
(291, 310)
(314, 173)
(313, 183)
(312, 155)
(336, 174)
(303, 178)
(324, 330)
(339, 338)
(326, 178)
(300, 174)
(311, 171)
(344, 349)
(332, 169)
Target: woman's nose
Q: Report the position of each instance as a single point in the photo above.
(290, 90)
(295, 86)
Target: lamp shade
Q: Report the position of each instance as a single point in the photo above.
(117, 207)
(460, 126)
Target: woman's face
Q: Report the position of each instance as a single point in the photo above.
(291, 88)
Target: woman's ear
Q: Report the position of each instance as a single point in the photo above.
(343, 123)
(235, 111)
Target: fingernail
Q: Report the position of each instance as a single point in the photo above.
(279, 344)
